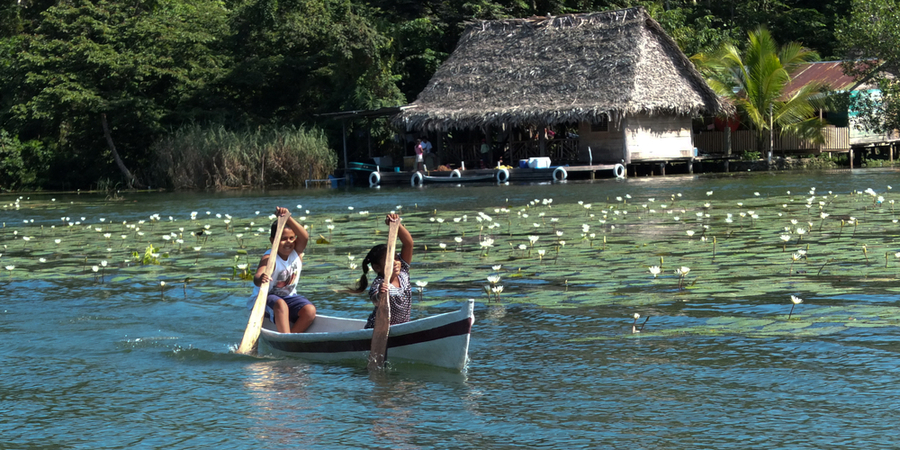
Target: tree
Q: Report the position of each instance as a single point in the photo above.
(136, 62)
(755, 80)
(870, 38)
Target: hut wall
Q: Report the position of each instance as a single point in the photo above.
(658, 137)
(607, 147)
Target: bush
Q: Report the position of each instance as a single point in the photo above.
(195, 157)
(19, 162)
(750, 156)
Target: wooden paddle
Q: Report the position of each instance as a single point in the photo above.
(254, 325)
(378, 350)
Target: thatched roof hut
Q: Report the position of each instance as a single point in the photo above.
(560, 69)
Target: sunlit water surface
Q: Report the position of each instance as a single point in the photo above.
(87, 366)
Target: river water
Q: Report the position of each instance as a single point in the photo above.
(111, 367)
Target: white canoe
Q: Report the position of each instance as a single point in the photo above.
(441, 340)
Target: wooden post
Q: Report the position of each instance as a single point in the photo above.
(771, 136)
(542, 141)
(851, 158)
(727, 145)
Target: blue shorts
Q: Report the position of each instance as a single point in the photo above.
(295, 304)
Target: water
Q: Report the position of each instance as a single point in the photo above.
(105, 367)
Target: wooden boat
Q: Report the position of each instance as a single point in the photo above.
(434, 179)
(441, 340)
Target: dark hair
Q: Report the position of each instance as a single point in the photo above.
(274, 229)
(377, 253)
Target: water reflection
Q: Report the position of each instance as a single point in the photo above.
(280, 389)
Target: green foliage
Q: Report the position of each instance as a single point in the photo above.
(215, 157)
(756, 79)
(19, 162)
(750, 156)
(137, 63)
(151, 256)
(872, 36)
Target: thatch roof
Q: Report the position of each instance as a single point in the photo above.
(558, 69)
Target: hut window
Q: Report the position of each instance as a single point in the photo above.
(600, 126)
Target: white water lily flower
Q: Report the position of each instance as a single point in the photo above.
(493, 279)
(95, 268)
(785, 237)
(457, 239)
(654, 270)
(487, 243)
(10, 267)
(421, 284)
(637, 316)
(690, 233)
(796, 300)
(497, 267)
(683, 270)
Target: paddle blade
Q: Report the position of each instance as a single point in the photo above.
(378, 349)
(254, 324)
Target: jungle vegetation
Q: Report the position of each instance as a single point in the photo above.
(114, 93)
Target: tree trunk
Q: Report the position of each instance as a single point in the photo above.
(130, 180)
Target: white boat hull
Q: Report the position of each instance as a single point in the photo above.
(441, 340)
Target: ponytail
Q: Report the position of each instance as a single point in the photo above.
(375, 254)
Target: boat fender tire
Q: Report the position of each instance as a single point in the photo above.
(374, 179)
(455, 173)
(416, 179)
(502, 175)
(619, 171)
(560, 174)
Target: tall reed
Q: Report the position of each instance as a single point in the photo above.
(196, 157)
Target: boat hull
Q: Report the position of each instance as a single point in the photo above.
(441, 340)
(477, 178)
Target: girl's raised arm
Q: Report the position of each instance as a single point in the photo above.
(405, 238)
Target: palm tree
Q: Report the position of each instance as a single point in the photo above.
(755, 80)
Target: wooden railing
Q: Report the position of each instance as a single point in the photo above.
(713, 142)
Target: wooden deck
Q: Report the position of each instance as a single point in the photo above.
(515, 175)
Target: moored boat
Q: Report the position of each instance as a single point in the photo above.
(436, 179)
(441, 340)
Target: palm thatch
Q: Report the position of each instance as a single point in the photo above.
(560, 69)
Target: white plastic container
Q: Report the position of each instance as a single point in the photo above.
(542, 162)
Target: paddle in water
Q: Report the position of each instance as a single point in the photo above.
(378, 349)
(254, 325)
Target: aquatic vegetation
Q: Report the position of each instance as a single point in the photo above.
(794, 302)
(745, 265)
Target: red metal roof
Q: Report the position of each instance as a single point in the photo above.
(829, 72)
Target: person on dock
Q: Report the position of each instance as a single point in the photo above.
(485, 154)
(290, 311)
(420, 156)
(398, 287)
